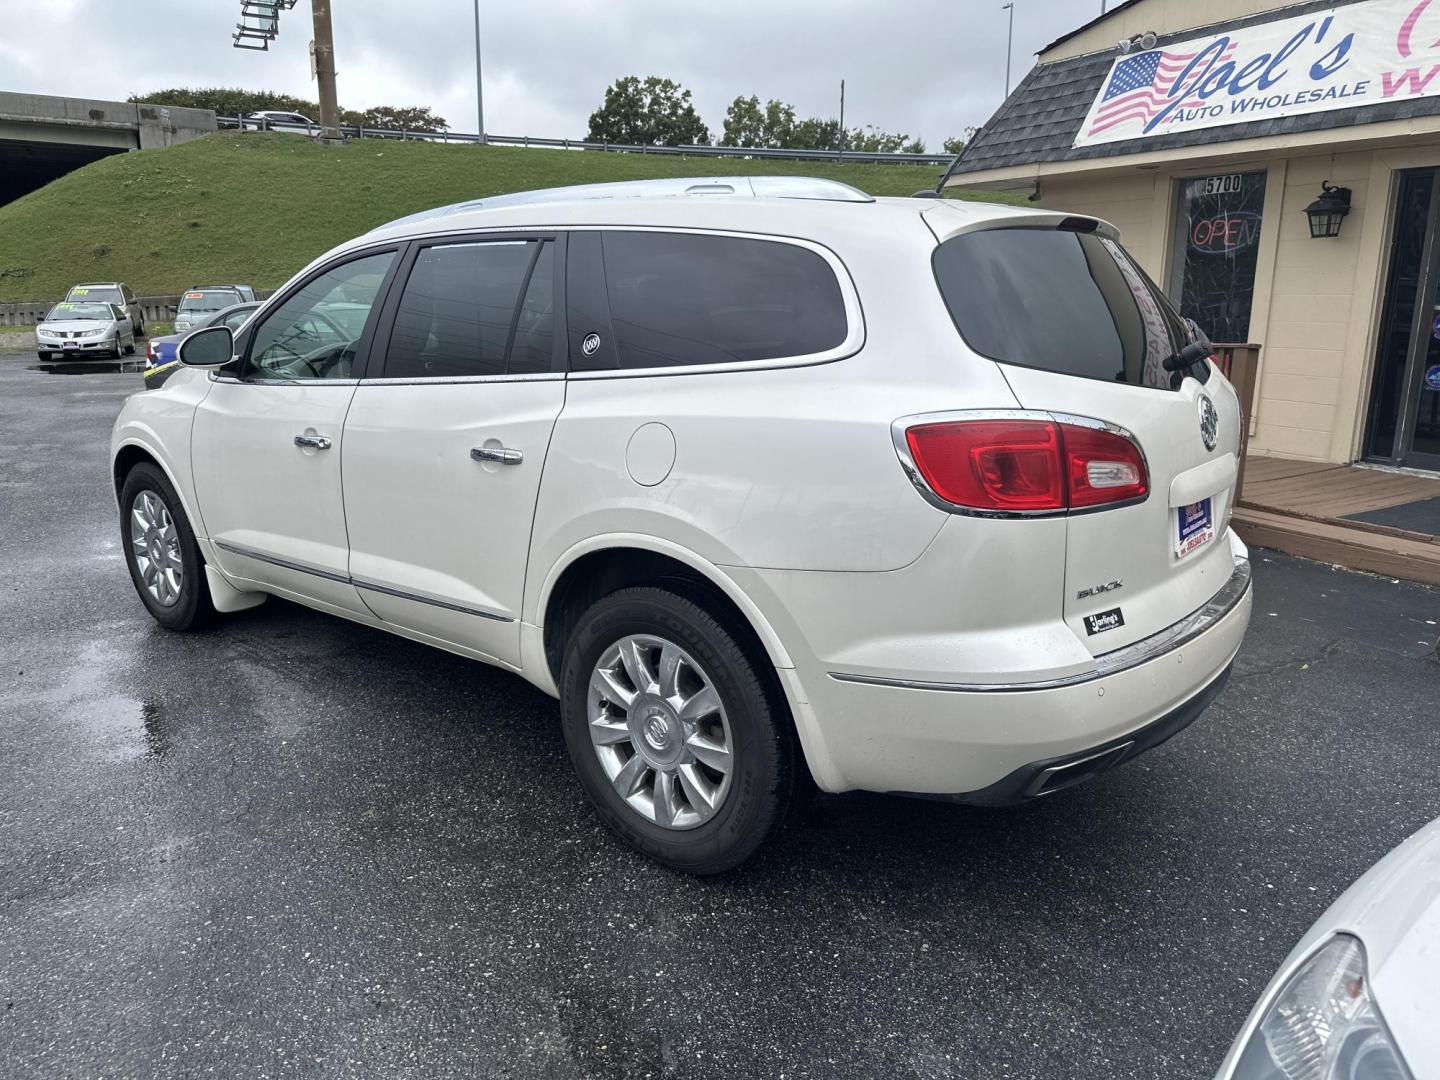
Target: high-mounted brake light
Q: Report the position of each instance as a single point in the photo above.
(1026, 466)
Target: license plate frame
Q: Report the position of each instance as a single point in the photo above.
(69, 345)
(1194, 527)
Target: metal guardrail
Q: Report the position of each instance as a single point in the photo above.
(354, 132)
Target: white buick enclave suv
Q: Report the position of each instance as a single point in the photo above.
(764, 479)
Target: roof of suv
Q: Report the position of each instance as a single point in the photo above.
(794, 206)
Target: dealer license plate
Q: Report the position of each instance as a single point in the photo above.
(1194, 527)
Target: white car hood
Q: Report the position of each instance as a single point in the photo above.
(71, 325)
(1395, 910)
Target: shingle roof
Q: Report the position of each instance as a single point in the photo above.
(1039, 121)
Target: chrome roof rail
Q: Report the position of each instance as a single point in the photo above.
(756, 187)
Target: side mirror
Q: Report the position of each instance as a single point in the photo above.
(212, 347)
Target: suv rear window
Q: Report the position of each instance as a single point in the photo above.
(686, 299)
(1069, 302)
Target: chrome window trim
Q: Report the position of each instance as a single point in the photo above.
(451, 380)
(358, 583)
(912, 471)
(214, 377)
(852, 343)
(1158, 644)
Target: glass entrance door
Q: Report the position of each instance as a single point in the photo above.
(1404, 420)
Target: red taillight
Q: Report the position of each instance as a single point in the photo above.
(1027, 466)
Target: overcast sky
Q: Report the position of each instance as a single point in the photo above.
(926, 67)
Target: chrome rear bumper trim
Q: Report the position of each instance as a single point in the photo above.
(1133, 655)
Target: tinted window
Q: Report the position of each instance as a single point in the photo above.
(313, 334)
(534, 345)
(459, 310)
(204, 300)
(679, 298)
(236, 319)
(1068, 302)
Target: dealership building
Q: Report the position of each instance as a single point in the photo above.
(1276, 169)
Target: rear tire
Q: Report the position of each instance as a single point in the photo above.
(160, 550)
(699, 812)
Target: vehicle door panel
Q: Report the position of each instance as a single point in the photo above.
(268, 437)
(438, 539)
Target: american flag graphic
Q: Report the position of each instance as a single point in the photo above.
(1140, 86)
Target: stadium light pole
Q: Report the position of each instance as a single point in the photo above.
(479, 84)
(1009, 38)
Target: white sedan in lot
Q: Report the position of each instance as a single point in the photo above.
(1357, 999)
(764, 479)
(82, 328)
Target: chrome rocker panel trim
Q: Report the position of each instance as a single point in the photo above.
(369, 586)
(1133, 655)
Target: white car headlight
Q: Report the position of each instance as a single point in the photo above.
(1324, 1025)
(92, 333)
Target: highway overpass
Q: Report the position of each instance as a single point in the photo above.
(42, 137)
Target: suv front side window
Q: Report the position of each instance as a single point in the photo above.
(315, 332)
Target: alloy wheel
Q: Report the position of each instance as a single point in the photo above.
(155, 543)
(660, 731)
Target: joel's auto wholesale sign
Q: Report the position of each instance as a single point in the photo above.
(1362, 54)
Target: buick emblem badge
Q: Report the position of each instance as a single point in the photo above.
(591, 345)
(1209, 423)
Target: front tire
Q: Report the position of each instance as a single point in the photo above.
(160, 550)
(676, 737)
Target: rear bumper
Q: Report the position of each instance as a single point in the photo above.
(1040, 778)
(1005, 743)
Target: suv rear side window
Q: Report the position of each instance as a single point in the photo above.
(1069, 302)
(686, 299)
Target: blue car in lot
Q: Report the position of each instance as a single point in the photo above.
(163, 354)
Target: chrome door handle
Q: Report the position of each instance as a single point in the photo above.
(314, 442)
(501, 455)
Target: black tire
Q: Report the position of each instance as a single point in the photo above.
(43, 355)
(119, 351)
(140, 330)
(130, 349)
(765, 757)
(193, 608)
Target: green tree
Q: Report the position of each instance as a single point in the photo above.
(871, 140)
(813, 133)
(746, 124)
(233, 101)
(652, 112)
(956, 143)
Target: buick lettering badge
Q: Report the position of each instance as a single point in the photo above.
(1209, 423)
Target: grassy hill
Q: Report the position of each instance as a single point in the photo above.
(256, 207)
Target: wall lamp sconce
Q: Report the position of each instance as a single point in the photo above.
(1326, 212)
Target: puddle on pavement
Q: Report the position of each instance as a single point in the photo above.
(90, 367)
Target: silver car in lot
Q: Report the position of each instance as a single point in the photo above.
(199, 303)
(85, 328)
(111, 292)
(1358, 998)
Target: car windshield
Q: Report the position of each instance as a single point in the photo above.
(104, 294)
(66, 311)
(208, 300)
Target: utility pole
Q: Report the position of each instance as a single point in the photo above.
(1009, 38)
(841, 140)
(479, 84)
(323, 55)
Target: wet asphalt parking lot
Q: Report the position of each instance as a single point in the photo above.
(292, 847)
